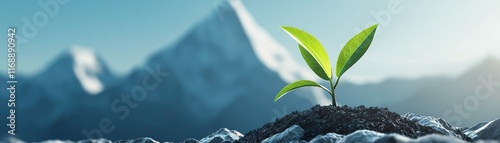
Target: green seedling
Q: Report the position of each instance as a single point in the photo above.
(317, 59)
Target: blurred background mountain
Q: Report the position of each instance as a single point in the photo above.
(224, 69)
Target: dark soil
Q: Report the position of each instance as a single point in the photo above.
(320, 120)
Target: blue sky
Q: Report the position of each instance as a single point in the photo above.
(419, 38)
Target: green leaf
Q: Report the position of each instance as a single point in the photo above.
(354, 49)
(312, 63)
(298, 84)
(312, 51)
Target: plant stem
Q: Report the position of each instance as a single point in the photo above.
(336, 83)
(334, 101)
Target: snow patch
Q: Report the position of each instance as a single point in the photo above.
(272, 54)
(475, 133)
(86, 68)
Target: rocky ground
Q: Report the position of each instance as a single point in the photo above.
(320, 120)
(328, 124)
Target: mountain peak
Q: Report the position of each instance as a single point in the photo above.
(272, 54)
(86, 66)
(212, 60)
(267, 50)
(78, 64)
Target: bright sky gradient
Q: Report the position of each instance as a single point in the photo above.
(420, 38)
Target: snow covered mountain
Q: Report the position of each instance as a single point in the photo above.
(60, 91)
(221, 60)
(75, 70)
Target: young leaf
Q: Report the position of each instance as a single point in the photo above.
(298, 84)
(312, 63)
(312, 51)
(354, 49)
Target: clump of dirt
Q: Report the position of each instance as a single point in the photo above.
(320, 120)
